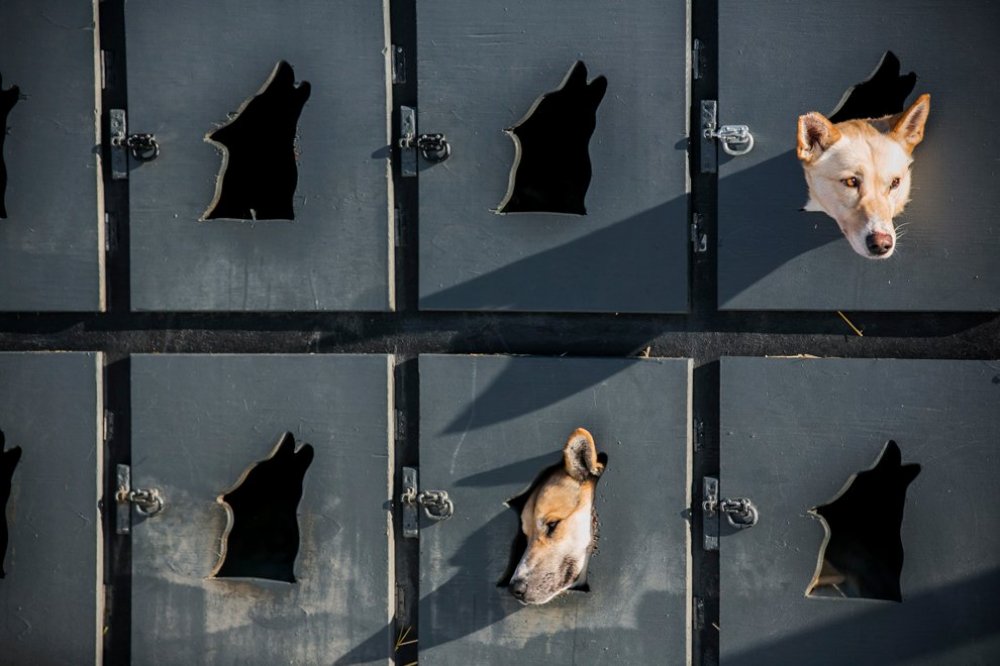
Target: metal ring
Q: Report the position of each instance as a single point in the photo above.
(737, 152)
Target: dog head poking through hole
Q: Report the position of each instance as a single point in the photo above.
(559, 524)
(858, 172)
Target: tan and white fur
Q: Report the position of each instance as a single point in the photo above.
(858, 172)
(560, 525)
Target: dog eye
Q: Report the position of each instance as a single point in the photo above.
(551, 527)
(894, 184)
(851, 182)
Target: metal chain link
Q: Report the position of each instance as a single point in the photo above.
(436, 503)
(147, 502)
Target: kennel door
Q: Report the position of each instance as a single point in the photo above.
(191, 65)
(488, 426)
(52, 596)
(198, 424)
(778, 60)
(479, 73)
(51, 244)
(792, 434)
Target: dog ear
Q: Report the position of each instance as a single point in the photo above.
(909, 128)
(816, 134)
(580, 456)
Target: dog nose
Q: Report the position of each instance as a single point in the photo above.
(879, 243)
(518, 588)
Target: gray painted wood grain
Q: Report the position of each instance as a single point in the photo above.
(780, 59)
(197, 423)
(479, 73)
(51, 599)
(792, 433)
(191, 63)
(488, 426)
(50, 245)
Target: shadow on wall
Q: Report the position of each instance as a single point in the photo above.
(925, 624)
(772, 189)
(460, 598)
(521, 389)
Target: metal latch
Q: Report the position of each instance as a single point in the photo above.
(146, 502)
(436, 503)
(434, 147)
(143, 147)
(735, 139)
(740, 512)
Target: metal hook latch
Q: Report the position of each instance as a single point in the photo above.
(436, 504)
(434, 147)
(147, 502)
(142, 146)
(740, 512)
(735, 139)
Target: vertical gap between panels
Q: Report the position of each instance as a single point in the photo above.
(704, 42)
(118, 547)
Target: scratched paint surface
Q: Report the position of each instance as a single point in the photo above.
(774, 257)
(792, 432)
(49, 599)
(479, 73)
(190, 63)
(488, 425)
(50, 249)
(197, 422)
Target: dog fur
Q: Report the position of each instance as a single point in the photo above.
(858, 172)
(560, 524)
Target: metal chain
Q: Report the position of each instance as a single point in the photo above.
(143, 146)
(147, 502)
(437, 505)
(740, 512)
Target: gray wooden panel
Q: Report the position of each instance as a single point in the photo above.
(197, 423)
(50, 243)
(51, 600)
(190, 63)
(480, 71)
(488, 426)
(782, 58)
(793, 431)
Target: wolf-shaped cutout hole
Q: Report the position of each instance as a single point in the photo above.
(882, 94)
(262, 536)
(8, 461)
(8, 98)
(259, 172)
(552, 171)
(862, 552)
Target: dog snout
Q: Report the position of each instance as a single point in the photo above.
(879, 243)
(518, 588)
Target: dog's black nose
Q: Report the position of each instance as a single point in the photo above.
(879, 243)
(518, 588)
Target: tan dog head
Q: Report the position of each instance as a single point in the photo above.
(559, 523)
(858, 172)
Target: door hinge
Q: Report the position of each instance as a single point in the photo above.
(397, 59)
(436, 503)
(740, 512)
(699, 238)
(735, 139)
(697, 59)
(109, 426)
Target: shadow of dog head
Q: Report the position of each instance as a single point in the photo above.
(858, 172)
(559, 522)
